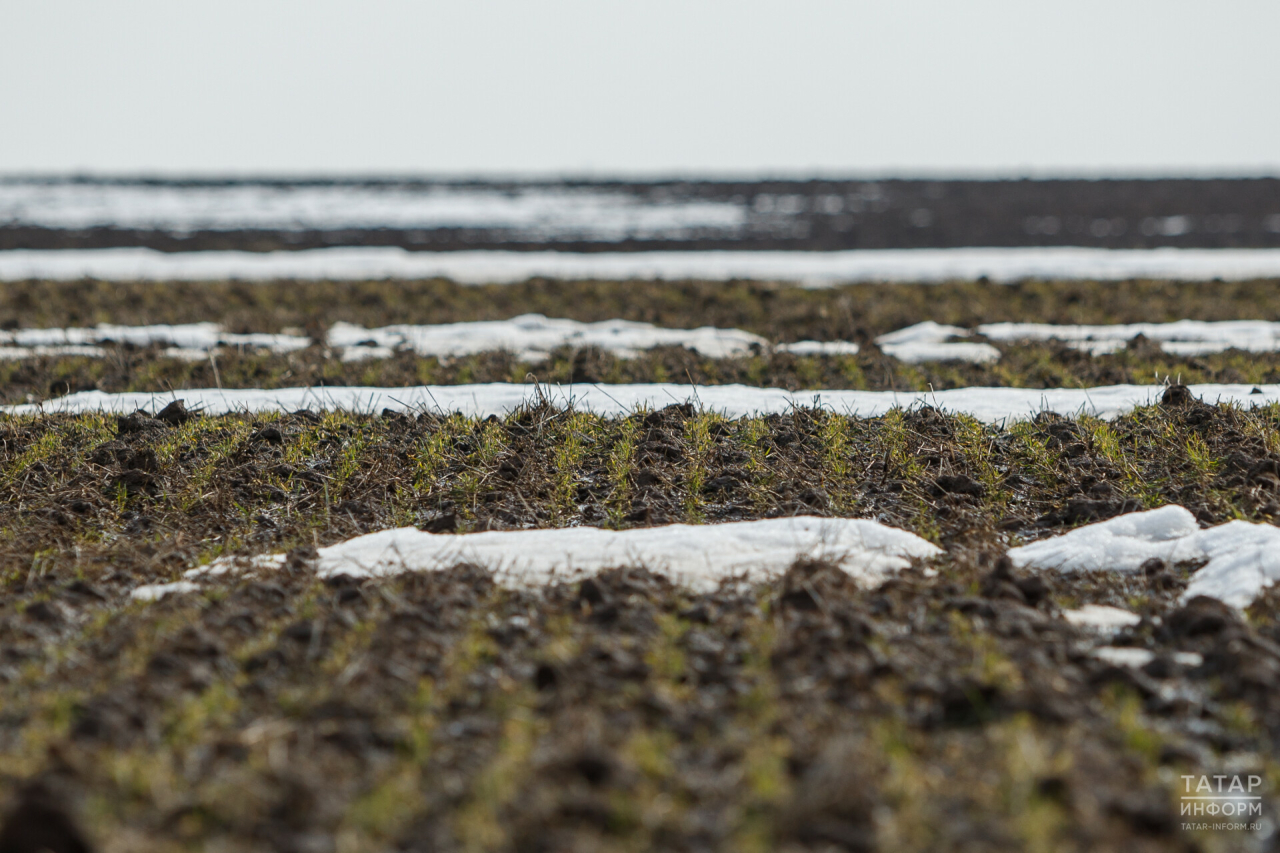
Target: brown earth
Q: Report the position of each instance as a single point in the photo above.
(857, 313)
(779, 312)
(950, 709)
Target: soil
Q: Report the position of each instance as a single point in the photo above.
(950, 709)
(1041, 366)
(857, 313)
(779, 312)
(821, 215)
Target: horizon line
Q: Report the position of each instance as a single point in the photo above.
(606, 177)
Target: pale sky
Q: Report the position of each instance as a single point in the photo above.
(653, 87)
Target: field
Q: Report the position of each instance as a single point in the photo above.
(780, 313)
(952, 708)
(603, 215)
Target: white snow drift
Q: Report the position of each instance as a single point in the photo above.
(1138, 658)
(1240, 559)
(1100, 617)
(532, 337)
(1120, 544)
(930, 341)
(698, 556)
(193, 337)
(9, 353)
(1184, 337)
(989, 405)
(157, 591)
(817, 269)
(819, 348)
(533, 212)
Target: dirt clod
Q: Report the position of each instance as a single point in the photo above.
(39, 822)
(1177, 395)
(175, 414)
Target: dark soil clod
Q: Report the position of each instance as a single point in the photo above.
(1177, 395)
(443, 523)
(960, 484)
(545, 677)
(175, 414)
(136, 423)
(40, 823)
(268, 435)
(1202, 616)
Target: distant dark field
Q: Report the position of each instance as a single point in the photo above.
(821, 215)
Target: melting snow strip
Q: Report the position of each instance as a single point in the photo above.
(157, 591)
(532, 337)
(1240, 559)
(1184, 337)
(819, 348)
(1100, 617)
(989, 405)
(930, 341)
(1138, 658)
(588, 212)
(699, 556)
(199, 337)
(18, 353)
(1124, 656)
(818, 269)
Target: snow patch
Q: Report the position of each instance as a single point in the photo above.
(1100, 617)
(190, 337)
(157, 591)
(817, 269)
(535, 213)
(532, 337)
(989, 405)
(18, 353)
(819, 348)
(699, 556)
(227, 565)
(1138, 658)
(1240, 559)
(930, 341)
(1120, 544)
(1243, 560)
(1124, 656)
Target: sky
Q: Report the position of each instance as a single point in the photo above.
(601, 88)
